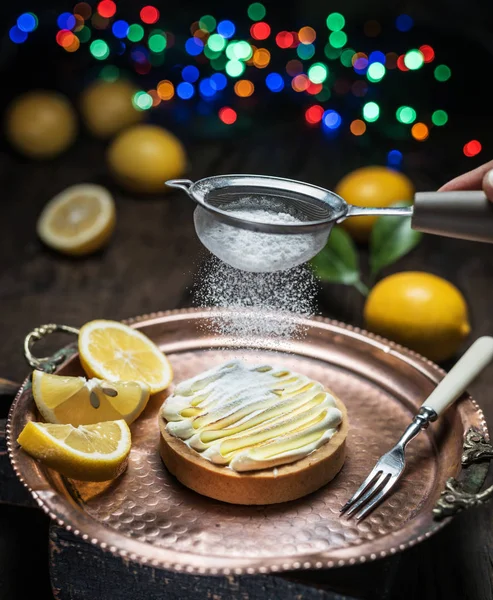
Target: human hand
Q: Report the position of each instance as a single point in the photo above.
(477, 179)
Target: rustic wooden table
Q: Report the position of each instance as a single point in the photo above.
(150, 265)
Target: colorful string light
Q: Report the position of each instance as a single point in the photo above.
(218, 52)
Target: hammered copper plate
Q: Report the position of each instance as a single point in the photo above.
(147, 516)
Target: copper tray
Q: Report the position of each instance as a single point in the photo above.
(147, 516)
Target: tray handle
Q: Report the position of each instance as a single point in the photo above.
(466, 493)
(47, 363)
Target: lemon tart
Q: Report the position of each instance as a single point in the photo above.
(253, 434)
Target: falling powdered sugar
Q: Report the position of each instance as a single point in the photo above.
(265, 306)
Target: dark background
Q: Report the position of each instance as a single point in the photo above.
(153, 256)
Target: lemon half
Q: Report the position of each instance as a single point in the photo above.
(113, 351)
(78, 220)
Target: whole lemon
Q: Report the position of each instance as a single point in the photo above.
(143, 157)
(421, 311)
(41, 124)
(107, 107)
(372, 186)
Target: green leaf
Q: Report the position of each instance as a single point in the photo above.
(391, 239)
(338, 261)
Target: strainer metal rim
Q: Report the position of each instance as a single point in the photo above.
(198, 191)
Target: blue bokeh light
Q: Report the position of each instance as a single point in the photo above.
(226, 29)
(376, 56)
(17, 35)
(331, 119)
(404, 22)
(190, 73)
(185, 90)
(274, 82)
(207, 88)
(27, 22)
(394, 158)
(66, 21)
(194, 46)
(120, 29)
(219, 81)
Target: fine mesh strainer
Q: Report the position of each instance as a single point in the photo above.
(237, 218)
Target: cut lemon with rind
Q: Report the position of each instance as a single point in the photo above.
(79, 220)
(113, 351)
(96, 452)
(78, 401)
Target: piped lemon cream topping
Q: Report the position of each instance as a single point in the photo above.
(251, 417)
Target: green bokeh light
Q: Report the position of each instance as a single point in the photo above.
(84, 34)
(371, 112)
(442, 73)
(323, 95)
(335, 21)
(305, 51)
(338, 39)
(110, 73)
(142, 101)
(99, 49)
(135, 32)
(157, 41)
(219, 62)
(414, 60)
(243, 51)
(332, 53)
(256, 11)
(439, 118)
(210, 53)
(230, 50)
(234, 68)
(376, 72)
(216, 42)
(317, 73)
(406, 115)
(207, 23)
(347, 57)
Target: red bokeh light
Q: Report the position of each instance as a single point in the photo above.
(107, 8)
(314, 114)
(284, 39)
(472, 148)
(400, 63)
(149, 15)
(314, 88)
(427, 52)
(64, 38)
(260, 31)
(227, 115)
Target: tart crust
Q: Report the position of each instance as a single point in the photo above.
(265, 486)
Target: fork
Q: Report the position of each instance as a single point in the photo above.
(390, 466)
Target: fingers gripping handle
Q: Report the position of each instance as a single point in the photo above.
(467, 368)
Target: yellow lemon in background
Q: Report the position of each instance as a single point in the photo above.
(421, 311)
(79, 220)
(107, 107)
(41, 124)
(372, 187)
(143, 157)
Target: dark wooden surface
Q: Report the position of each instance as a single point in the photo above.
(150, 266)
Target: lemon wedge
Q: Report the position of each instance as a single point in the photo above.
(78, 401)
(113, 351)
(78, 220)
(96, 452)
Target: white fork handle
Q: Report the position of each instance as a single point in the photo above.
(466, 369)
